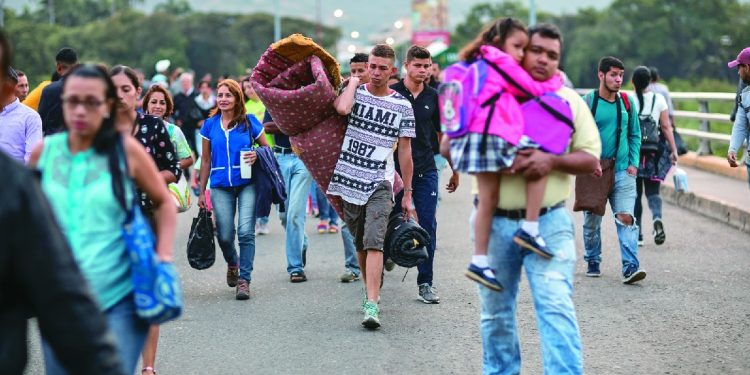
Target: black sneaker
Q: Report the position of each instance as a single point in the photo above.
(633, 276)
(593, 270)
(640, 240)
(659, 235)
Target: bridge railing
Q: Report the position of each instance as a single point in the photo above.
(704, 115)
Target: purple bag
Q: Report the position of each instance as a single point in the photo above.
(548, 122)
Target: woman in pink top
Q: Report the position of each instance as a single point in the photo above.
(496, 132)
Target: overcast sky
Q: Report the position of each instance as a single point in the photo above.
(368, 18)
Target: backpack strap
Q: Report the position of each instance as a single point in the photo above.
(508, 78)
(491, 103)
(594, 102)
(626, 101)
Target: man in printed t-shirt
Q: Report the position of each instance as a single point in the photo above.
(379, 120)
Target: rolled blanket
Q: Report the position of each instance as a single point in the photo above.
(297, 80)
(406, 242)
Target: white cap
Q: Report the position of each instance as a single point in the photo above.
(162, 65)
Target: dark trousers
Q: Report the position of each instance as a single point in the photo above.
(425, 198)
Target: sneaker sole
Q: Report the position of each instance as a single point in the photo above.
(350, 280)
(243, 297)
(659, 238)
(531, 248)
(428, 302)
(593, 274)
(636, 277)
(482, 281)
(371, 323)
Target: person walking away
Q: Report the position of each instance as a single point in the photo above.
(741, 127)
(655, 162)
(550, 281)
(619, 128)
(225, 135)
(20, 126)
(50, 106)
(365, 171)
(84, 178)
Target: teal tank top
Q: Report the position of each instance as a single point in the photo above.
(79, 189)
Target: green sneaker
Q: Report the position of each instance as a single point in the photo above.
(372, 319)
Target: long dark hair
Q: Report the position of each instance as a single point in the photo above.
(641, 79)
(107, 140)
(493, 34)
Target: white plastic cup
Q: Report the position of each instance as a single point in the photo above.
(680, 180)
(246, 170)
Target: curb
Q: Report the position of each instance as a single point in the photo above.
(707, 206)
(713, 164)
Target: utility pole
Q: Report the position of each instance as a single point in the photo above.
(51, 10)
(318, 24)
(277, 22)
(2, 13)
(532, 12)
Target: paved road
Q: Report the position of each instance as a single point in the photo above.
(690, 316)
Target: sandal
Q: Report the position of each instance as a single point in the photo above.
(333, 229)
(322, 228)
(148, 368)
(297, 277)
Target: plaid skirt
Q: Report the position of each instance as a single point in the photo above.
(467, 157)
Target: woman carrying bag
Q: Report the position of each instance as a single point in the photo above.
(657, 156)
(228, 137)
(85, 179)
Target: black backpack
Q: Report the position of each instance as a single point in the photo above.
(649, 129)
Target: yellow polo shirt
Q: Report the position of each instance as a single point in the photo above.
(32, 100)
(585, 138)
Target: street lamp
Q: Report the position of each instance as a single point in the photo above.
(390, 41)
(338, 13)
(398, 24)
(351, 48)
(354, 34)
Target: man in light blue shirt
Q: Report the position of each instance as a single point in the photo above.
(20, 126)
(741, 128)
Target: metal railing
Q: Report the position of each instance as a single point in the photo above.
(704, 134)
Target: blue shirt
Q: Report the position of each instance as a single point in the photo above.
(741, 127)
(20, 130)
(225, 149)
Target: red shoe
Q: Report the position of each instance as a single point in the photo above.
(322, 228)
(333, 229)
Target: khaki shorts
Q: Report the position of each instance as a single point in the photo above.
(368, 223)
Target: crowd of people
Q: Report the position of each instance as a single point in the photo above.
(102, 140)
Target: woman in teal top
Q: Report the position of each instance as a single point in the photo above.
(82, 177)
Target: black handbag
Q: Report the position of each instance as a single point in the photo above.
(201, 249)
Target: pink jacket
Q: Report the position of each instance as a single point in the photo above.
(481, 82)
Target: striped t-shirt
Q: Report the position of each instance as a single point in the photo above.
(375, 125)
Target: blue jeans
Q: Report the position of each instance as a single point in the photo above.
(350, 251)
(653, 196)
(441, 163)
(551, 283)
(297, 181)
(324, 207)
(622, 201)
(129, 333)
(425, 201)
(748, 173)
(228, 202)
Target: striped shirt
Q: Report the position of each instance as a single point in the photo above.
(366, 160)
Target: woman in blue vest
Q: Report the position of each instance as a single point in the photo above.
(225, 134)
